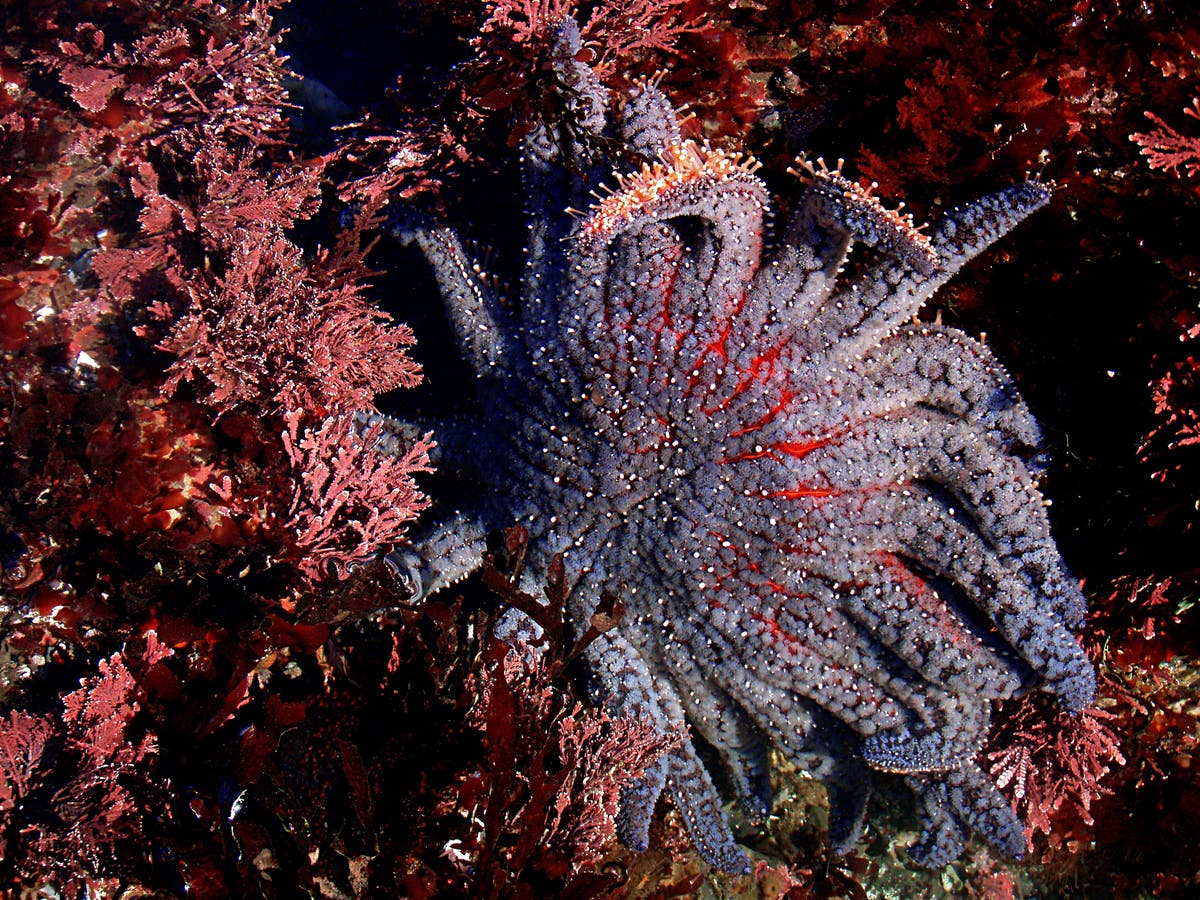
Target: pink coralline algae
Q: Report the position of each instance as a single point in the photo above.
(1167, 149)
(350, 495)
(822, 517)
(70, 781)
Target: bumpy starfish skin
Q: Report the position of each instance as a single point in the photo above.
(816, 510)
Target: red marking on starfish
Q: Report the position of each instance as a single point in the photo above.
(749, 375)
(794, 449)
(786, 396)
(775, 628)
(797, 493)
(718, 346)
(926, 598)
(662, 439)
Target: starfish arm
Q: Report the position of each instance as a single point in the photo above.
(953, 805)
(649, 124)
(479, 324)
(915, 622)
(620, 342)
(717, 206)
(942, 746)
(801, 272)
(586, 96)
(624, 682)
(801, 275)
(924, 532)
(396, 436)
(698, 802)
(849, 787)
(814, 741)
(943, 835)
(968, 230)
(722, 722)
(638, 800)
(884, 294)
(900, 751)
(548, 155)
(465, 446)
(787, 293)
(441, 555)
(547, 192)
(934, 366)
(980, 805)
(845, 209)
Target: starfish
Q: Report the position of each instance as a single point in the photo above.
(822, 514)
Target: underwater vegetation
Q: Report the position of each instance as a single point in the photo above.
(275, 526)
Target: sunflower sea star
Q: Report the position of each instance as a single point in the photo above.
(817, 511)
